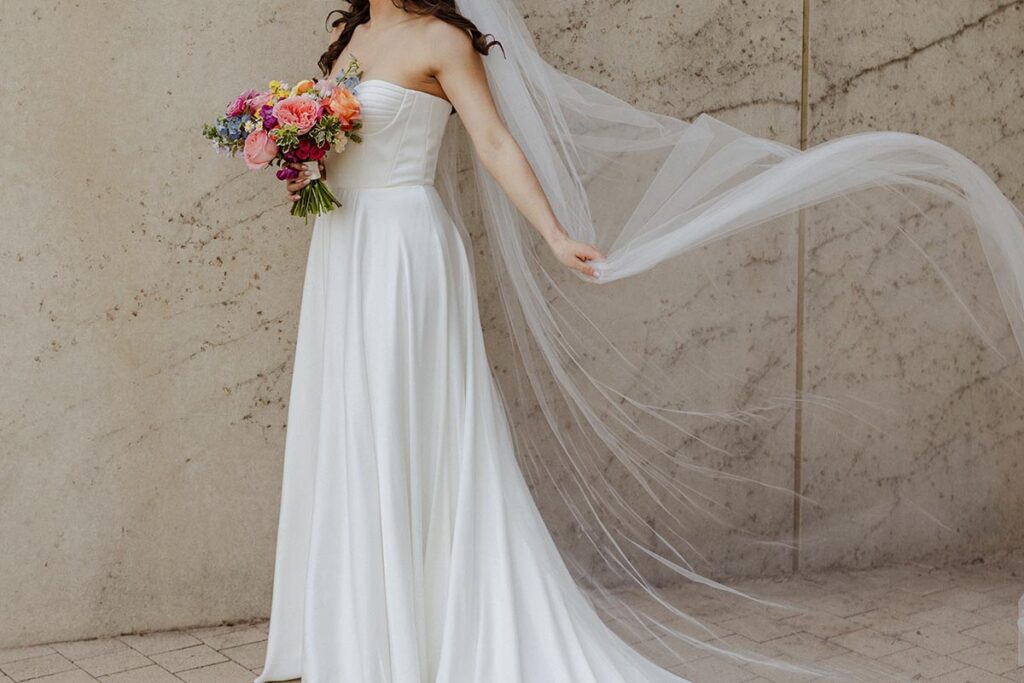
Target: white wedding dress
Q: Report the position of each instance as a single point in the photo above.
(409, 548)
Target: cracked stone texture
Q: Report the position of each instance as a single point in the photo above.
(151, 297)
(944, 439)
(153, 287)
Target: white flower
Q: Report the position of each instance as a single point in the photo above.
(341, 143)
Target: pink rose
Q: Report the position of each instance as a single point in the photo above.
(237, 108)
(256, 102)
(300, 111)
(260, 149)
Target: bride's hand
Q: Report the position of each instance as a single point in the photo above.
(294, 185)
(576, 255)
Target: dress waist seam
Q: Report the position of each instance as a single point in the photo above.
(353, 188)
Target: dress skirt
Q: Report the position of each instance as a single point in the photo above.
(410, 549)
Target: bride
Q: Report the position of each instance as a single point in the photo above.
(410, 548)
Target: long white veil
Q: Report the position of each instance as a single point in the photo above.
(656, 414)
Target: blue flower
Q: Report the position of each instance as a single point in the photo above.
(234, 127)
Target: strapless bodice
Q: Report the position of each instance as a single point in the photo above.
(402, 132)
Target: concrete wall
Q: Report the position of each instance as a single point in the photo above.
(952, 71)
(151, 289)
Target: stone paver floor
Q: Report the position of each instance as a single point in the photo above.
(949, 625)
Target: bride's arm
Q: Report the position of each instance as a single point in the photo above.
(460, 71)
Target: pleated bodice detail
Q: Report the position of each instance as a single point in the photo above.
(402, 133)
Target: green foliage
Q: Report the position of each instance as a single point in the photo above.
(287, 137)
(325, 132)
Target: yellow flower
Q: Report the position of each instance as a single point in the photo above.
(279, 89)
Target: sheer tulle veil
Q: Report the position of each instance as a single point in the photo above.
(655, 412)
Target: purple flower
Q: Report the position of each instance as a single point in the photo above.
(287, 173)
(269, 120)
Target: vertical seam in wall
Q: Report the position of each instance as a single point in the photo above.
(801, 238)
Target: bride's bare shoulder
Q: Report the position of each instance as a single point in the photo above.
(444, 33)
(446, 41)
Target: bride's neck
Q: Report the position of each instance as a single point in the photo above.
(384, 11)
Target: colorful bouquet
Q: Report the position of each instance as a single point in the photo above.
(285, 125)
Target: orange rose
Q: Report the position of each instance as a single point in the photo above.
(343, 104)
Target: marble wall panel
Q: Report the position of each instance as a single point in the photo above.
(927, 462)
(150, 294)
(152, 289)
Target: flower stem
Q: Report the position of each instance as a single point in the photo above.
(315, 198)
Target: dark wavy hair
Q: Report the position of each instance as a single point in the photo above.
(358, 13)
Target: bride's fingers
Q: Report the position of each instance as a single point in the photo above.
(302, 175)
(294, 186)
(589, 253)
(582, 267)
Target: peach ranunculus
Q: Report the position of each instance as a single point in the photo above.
(299, 111)
(303, 87)
(343, 104)
(260, 149)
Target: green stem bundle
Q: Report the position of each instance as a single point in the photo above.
(314, 199)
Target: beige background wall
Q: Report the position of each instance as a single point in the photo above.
(151, 288)
(953, 71)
